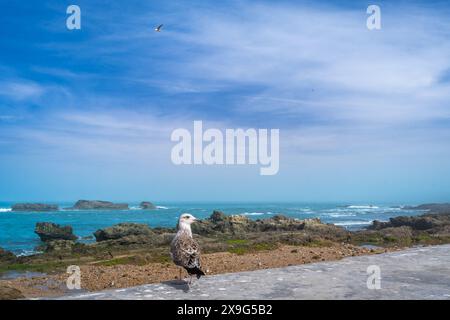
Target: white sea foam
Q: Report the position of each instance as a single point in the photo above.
(255, 213)
(5, 209)
(139, 208)
(362, 207)
(340, 215)
(26, 253)
(305, 210)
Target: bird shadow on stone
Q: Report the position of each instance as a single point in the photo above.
(178, 284)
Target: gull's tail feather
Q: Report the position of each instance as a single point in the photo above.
(195, 271)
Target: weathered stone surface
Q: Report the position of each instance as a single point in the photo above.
(317, 230)
(423, 222)
(63, 246)
(218, 216)
(123, 230)
(278, 223)
(132, 236)
(99, 205)
(7, 256)
(48, 231)
(8, 293)
(218, 222)
(147, 205)
(276, 229)
(34, 207)
(377, 225)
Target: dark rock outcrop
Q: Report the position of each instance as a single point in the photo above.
(7, 256)
(217, 216)
(59, 246)
(146, 205)
(430, 228)
(99, 205)
(34, 207)
(317, 229)
(8, 293)
(123, 230)
(218, 222)
(65, 247)
(131, 235)
(423, 222)
(48, 231)
(278, 223)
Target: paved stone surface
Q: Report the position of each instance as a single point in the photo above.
(417, 273)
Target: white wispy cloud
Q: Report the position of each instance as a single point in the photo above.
(325, 60)
(21, 90)
(99, 134)
(323, 76)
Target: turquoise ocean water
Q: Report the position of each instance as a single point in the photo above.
(17, 228)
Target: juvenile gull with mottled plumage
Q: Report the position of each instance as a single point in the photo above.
(184, 250)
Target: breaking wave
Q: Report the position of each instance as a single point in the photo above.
(255, 213)
(26, 253)
(362, 207)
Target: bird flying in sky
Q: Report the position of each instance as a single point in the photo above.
(158, 28)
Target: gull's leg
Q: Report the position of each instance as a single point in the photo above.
(193, 280)
(180, 273)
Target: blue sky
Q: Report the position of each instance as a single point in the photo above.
(363, 115)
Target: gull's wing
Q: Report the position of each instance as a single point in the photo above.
(186, 252)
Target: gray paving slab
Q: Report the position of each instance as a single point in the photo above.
(416, 273)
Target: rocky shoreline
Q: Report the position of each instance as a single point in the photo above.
(130, 254)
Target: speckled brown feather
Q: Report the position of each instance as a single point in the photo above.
(185, 252)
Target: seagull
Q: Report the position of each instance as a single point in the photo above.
(184, 250)
(158, 28)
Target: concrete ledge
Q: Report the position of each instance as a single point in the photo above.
(416, 273)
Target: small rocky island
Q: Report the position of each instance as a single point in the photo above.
(99, 205)
(34, 207)
(147, 205)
